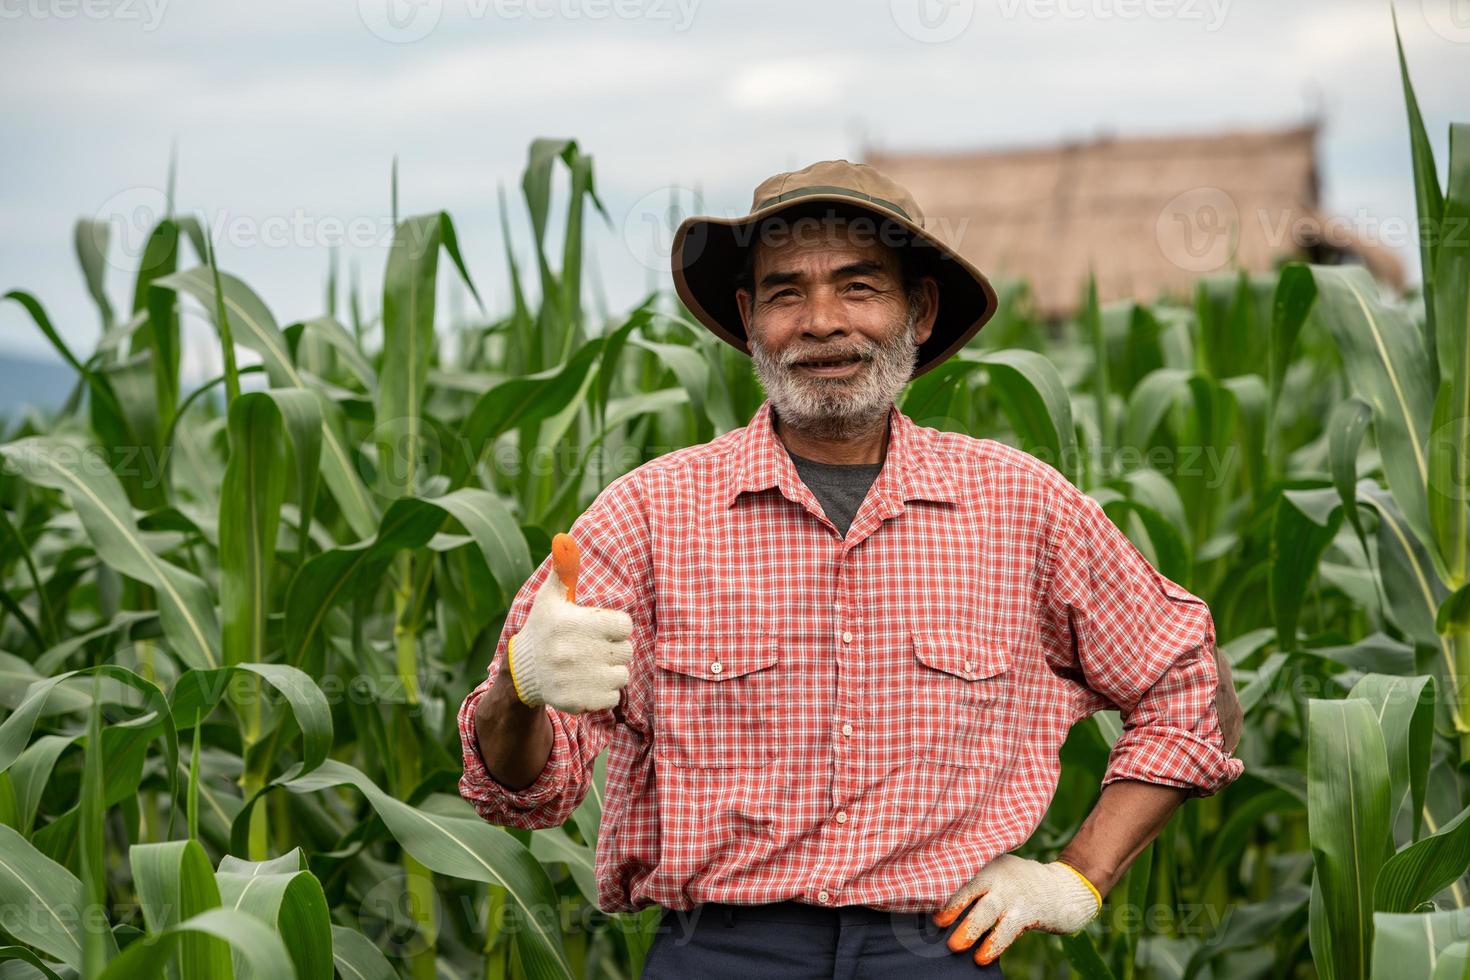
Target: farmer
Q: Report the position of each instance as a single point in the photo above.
(835, 652)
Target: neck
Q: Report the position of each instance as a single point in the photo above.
(866, 446)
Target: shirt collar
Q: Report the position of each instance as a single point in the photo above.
(910, 469)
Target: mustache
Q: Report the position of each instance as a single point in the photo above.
(789, 358)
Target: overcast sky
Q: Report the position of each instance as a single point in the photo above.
(287, 114)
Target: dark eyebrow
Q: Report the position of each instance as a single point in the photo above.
(778, 278)
(862, 267)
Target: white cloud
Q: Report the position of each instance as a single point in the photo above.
(779, 87)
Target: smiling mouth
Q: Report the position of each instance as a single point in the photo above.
(835, 365)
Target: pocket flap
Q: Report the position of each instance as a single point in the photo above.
(963, 653)
(714, 657)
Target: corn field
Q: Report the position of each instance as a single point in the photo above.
(236, 621)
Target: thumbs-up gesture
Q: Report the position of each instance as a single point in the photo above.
(574, 658)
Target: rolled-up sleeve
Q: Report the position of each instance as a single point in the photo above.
(614, 574)
(1131, 639)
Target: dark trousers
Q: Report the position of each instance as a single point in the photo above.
(800, 941)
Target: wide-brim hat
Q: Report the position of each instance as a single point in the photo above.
(709, 252)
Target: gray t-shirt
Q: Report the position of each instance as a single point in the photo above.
(839, 487)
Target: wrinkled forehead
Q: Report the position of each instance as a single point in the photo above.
(821, 244)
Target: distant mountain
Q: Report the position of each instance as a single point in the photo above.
(28, 381)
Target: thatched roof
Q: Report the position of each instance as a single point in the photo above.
(1148, 215)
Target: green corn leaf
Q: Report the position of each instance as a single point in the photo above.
(95, 935)
(248, 937)
(1405, 709)
(1305, 523)
(1428, 197)
(1349, 821)
(465, 848)
(1449, 443)
(68, 465)
(90, 240)
(355, 956)
(250, 513)
(1409, 944)
(47, 901)
(256, 328)
(15, 731)
(198, 691)
(175, 882)
(330, 577)
(1036, 402)
(1423, 869)
(289, 899)
(1389, 368)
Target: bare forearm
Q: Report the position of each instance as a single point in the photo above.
(515, 739)
(1129, 814)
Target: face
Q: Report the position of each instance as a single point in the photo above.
(833, 335)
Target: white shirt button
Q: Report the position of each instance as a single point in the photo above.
(846, 729)
(823, 897)
(846, 637)
(969, 665)
(841, 816)
(716, 667)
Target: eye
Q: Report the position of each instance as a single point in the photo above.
(861, 285)
(779, 294)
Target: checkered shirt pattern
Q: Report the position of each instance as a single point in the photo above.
(865, 719)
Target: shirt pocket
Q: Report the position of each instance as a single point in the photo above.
(961, 680)
(715, 697)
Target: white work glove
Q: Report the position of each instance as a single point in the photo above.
(1017, 894)
(571, 657)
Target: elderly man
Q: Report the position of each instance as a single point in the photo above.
(835, 652)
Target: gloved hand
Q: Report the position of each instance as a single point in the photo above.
(1017, 894)
(571, 657)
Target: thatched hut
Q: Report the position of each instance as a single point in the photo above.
(1148, 215)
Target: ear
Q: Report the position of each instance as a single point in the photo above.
(745, 301)
(924, 325)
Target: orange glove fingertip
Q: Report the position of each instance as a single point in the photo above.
(566, 561)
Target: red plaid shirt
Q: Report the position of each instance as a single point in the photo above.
(865, 719)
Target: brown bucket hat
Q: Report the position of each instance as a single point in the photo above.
(709, 252)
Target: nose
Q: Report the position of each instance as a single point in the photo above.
(824, 314)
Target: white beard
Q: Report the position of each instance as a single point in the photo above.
(838, 408)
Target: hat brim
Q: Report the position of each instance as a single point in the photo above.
(708, 252)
